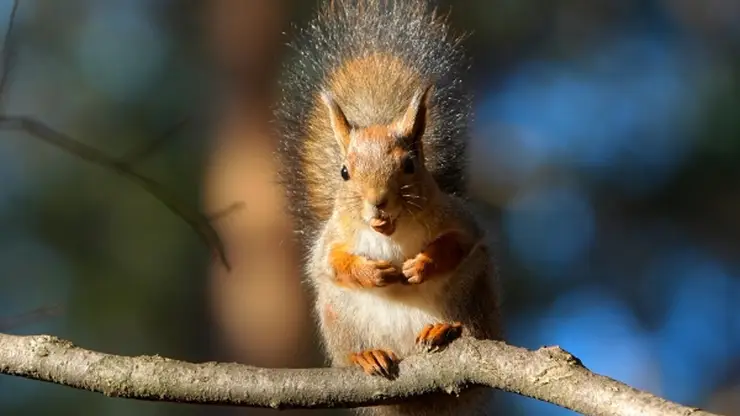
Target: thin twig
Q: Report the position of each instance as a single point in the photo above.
(31, 317)
(7, 49)
(140, 153)
(41, 131)
(218, 215)
(195, 219)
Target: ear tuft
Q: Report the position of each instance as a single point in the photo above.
(411, 126)
(339, 124)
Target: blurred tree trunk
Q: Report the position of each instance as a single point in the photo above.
(260, 310)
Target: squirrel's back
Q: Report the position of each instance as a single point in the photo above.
(371, 56)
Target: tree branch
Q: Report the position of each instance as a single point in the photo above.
(197, 221)
(549, 374)
(148, 148)
(39, 130)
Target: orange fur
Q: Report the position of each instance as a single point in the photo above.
(438, 335)
(361, 88)
(377, 361)
(441, 256)
(354, 271)
(375, 130)
(375, 77)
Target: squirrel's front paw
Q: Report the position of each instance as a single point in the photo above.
(434, 337)
(377, 362)
(418, 269)
(375, 273)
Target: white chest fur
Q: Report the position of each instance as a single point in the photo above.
(387, 322)
(403, 245)
(392, 316)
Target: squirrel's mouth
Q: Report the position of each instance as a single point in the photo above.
(383, 225)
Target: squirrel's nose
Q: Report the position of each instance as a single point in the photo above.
(378, 199)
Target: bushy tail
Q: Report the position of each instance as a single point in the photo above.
(371, 55)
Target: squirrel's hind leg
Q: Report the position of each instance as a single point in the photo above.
(346, 347)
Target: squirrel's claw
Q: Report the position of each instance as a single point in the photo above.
(376, 362)
(434, 337)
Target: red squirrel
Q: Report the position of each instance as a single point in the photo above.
(373, 124)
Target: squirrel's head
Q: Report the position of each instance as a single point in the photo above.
(383, 168)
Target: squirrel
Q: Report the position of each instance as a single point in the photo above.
(373, 120)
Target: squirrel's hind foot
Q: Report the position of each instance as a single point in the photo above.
(377, 362)
(434, 337)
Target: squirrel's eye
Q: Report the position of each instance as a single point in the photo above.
(345, 173)
(408, 165)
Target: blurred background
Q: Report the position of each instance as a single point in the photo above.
(604, 161)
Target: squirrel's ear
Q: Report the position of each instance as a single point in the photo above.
(339, 123)
(412, 124)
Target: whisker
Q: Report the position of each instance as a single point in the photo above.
(417, 199)
(410, 212)
(413, 215)
(413, 204)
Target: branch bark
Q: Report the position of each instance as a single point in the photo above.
(548, 374)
